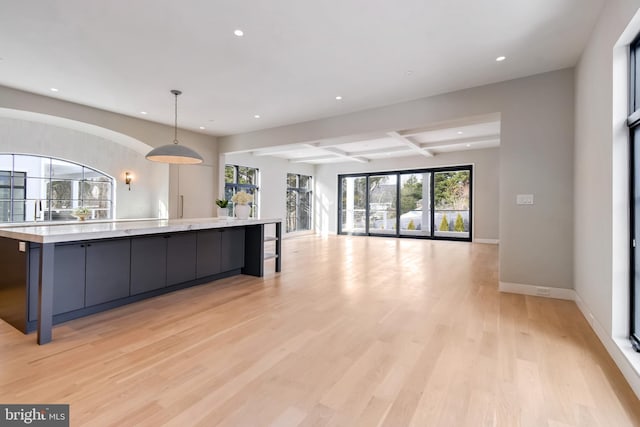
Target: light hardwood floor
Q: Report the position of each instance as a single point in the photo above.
(354, 332)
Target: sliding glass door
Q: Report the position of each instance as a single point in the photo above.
(415, 204)
(353, 205)
(452, 202)
(425, 203)
(383, 195)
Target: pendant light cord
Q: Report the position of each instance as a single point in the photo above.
(175, 126)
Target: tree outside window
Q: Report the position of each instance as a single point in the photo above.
(299, 202)
(242, 178)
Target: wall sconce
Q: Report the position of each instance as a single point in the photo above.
(127, 179)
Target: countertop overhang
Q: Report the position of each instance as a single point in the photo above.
(60, 233)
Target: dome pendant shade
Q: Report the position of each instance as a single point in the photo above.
(174, 153)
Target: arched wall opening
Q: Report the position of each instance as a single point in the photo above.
(110, 152)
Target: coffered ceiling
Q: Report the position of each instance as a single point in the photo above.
(428, 142)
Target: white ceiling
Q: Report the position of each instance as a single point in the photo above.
(295, 58)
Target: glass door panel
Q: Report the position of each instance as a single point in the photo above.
(353, 204)
(452, 204)
(415, 206)
(383, 196)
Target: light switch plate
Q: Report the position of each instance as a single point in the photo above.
(524, 199)
(22, 246)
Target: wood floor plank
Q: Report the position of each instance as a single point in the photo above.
(353, 332)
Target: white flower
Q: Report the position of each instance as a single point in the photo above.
(242, 198)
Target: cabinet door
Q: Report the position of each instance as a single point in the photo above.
(208, 253)
(108, 267)
(181, 258)
(148, 264)
(68, 279)
(232, 249)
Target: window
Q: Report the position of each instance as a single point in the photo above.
(34, 188)
(242, 178)
(634, 127)
(299, 192)
(427, 203)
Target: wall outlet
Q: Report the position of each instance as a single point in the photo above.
(22, 246)
(524, 199)
(543, 291)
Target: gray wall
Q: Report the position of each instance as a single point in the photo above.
(485, 186)
(536, 157)
(601, 188)
(198, 182)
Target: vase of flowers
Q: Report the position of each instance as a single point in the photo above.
(223, 208)
(241, 202)
(82, 213)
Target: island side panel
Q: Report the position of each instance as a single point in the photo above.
(254, 250)
(13, 284)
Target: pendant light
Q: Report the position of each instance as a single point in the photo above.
(174, 153)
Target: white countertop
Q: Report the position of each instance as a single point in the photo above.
(58, 233)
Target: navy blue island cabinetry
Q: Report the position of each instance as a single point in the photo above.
(55, 273)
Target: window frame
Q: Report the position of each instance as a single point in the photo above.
(235, 186)
(297, 190)
(399, 173)
(45, 213)
(633, 122)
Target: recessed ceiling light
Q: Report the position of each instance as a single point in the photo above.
(144, 113)
(468, 145)
(460, 132)
(53, 89)
(501, 58)
(239, 32)
(339, 98)
(202, 127)
(256, 116)
(409, 72)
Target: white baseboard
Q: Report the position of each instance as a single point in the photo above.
(620, 350)
(538, 291)
(487, 241)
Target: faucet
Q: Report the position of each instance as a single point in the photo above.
(37, 210)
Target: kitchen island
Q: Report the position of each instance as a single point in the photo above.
(53, 273)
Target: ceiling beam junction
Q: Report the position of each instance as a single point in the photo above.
(411, 144)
